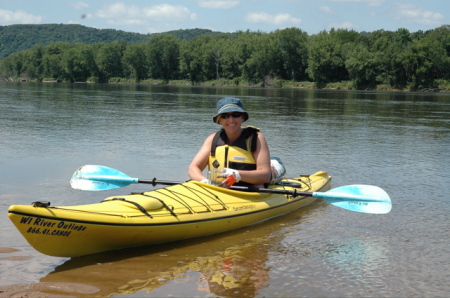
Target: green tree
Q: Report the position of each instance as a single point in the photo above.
(33, 62)
(220, 45)
(261, 65)
(135, 62)
(246, 45)
(430, 62)
(52, 60)
(230, 62)
(197, 59)
(79, 63)
(108, 59)
(163, 54)
(325, 58)
(210, 55)
(392, 54)
(442, 35)
(402, 62)
(13, 65)
(18, 63)
(291, 45)
(362, 66)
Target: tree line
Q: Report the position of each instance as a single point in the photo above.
(398, 58)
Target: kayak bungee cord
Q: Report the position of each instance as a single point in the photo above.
(211, 195)
(142, 209)
(162, 202)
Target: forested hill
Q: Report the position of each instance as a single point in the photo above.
(16, 38)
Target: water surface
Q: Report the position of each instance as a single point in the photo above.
(398, 141)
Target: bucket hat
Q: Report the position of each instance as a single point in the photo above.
(228, 105)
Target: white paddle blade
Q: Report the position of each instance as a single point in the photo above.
(359, 198)
(97, 178)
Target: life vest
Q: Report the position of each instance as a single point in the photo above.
(239, 155)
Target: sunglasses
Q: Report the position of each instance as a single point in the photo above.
(234, 115)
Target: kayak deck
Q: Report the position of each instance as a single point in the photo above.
(182, 211)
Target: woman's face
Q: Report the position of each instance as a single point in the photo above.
(231, 122)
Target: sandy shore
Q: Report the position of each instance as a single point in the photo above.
(45, 289)
(42, 289)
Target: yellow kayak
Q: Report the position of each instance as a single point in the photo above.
(187, 210)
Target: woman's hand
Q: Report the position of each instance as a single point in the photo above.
(232, 176)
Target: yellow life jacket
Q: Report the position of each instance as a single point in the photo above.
(239, 155)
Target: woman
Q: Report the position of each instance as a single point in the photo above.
(240, 153)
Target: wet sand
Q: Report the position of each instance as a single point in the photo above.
(42, 289)
(45, 289)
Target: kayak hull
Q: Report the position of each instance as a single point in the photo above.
(177, 212)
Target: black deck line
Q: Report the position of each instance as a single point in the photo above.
(154, 224)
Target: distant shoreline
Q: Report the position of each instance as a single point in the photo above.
(272, 84)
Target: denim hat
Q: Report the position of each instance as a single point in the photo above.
(230, 104)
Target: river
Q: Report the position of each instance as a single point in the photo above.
(397, 141)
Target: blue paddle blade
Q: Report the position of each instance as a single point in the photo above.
(96, 178)
(359, 198)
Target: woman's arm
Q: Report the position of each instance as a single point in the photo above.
(200, 160)
(262, 158)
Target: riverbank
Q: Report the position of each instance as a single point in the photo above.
(443, 86)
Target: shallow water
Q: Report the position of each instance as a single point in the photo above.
(398, 141)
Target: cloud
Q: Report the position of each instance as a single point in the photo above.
(18, 17)
(326, 9)
(220, 4)
(415, 14)
(79, 5)
(369, 2)
(281, 19)
(120, 13)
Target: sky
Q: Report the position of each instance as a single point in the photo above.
(311, 16)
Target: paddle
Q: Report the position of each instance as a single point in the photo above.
(92, 177)
(359, 198)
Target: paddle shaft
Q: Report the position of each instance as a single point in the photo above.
(155, 182)
(327, 196)
(294, 193)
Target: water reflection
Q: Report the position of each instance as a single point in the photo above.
(233, 264)
(354, 257)
(329, 265)
(229, 272)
